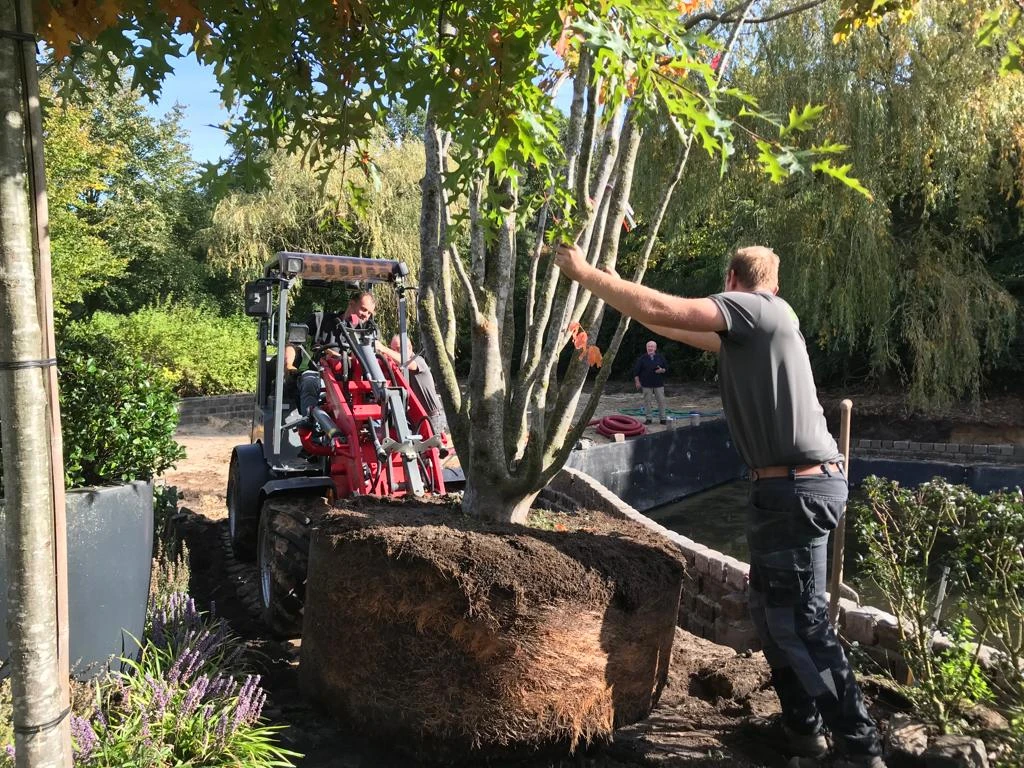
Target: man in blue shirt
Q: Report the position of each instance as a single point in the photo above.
(647, 375)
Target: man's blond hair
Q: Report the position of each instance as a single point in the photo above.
(756, 267)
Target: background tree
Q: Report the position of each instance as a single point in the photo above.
(339, 209)
(126, 203)
(83, 261)
(913, 289)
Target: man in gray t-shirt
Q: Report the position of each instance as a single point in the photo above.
(799, 487)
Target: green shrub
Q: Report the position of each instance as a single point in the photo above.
(118, 415)
(917, 536)
(197, 350)
(187, 701)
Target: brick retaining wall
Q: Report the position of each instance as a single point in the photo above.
(193, 411)
(952, 452)
(715, 588)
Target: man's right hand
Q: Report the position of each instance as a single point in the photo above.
(570, 259)
(636, 383)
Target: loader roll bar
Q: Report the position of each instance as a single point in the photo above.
(332, 268)
(287, 266)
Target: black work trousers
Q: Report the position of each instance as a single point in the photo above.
(810, 671)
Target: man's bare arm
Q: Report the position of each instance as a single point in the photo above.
(387, 351)
(709, 341)
(644, 304)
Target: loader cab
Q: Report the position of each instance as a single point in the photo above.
(268, 300)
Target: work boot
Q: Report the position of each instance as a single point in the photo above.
(664, 421)
(647, 421)
(776, 734)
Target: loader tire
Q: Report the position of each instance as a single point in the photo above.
(283, 553)
(246, 475)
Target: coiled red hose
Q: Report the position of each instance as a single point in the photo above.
(627, 425)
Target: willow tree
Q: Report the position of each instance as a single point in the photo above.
(336, 210)
(319, 77)
(899, 289)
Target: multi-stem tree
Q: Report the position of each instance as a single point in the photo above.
(319, 77)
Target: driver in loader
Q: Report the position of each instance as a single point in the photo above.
(323, 327)
(324, 330)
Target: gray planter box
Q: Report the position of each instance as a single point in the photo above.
(110, 551)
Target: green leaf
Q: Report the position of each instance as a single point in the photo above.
(804, 120)
(842, 173)
(770, 163)
(828, 149)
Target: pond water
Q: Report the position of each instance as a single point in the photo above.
(716, 518)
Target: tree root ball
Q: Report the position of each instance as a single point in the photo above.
(458, 638)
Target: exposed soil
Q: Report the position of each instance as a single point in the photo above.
(447, 631)
(699, 722)
(882, 416)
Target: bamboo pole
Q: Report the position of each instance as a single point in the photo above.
(44, 298)
(839, 536)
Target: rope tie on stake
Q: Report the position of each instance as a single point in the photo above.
(19, 365)
(32, 730)
(25, 37)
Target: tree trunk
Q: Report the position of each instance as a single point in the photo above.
(489, 500)
(32, 624)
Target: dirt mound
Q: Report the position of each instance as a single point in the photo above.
(458, 638)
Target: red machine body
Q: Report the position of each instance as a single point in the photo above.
(355, 465)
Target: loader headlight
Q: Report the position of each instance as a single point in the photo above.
(293, 265)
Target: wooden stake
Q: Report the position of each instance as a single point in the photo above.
(44, 298)
(39, 718)
(839, 536)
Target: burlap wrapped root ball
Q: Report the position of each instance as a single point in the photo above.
(452, 637)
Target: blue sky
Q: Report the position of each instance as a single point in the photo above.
(195, 88)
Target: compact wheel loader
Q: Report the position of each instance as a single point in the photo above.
(348, 426)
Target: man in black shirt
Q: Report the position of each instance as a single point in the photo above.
(647, 375)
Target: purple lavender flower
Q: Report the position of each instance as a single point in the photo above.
(194, 696)
(161, 694)
(221, 686)
(247, 701)
(174, 621)
(9, 749)
(221, 733)
(83, 738)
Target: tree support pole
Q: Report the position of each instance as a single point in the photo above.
(839, 535)
(40, 716)
(44, 297)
